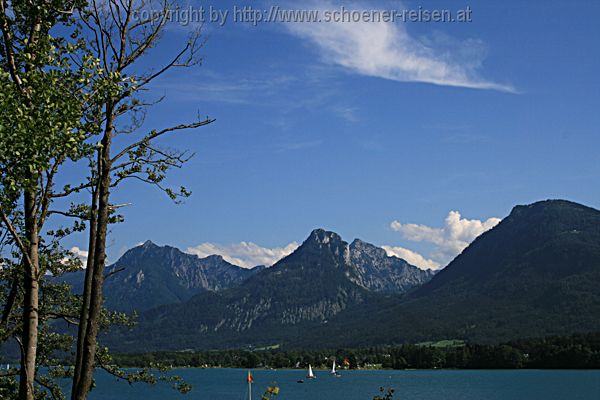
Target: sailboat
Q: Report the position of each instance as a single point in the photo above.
(310, 374)
(333, 371)
(250, 381)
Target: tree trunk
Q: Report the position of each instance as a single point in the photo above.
(88, 355)
(29, 337)
(10, 300)
(87, 290)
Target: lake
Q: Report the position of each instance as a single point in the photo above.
(230, 384)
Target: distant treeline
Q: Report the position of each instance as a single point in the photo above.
(580, 351)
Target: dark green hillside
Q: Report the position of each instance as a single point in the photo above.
(535, 274)
(549, 240)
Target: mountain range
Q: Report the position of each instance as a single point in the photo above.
(148, 276)
(536, 273)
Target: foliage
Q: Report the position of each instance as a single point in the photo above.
(270, 393)
(42, 120)
(57, 85)
(576, 351)
(384, 394)
(150, 374)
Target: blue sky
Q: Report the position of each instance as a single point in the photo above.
(368, 128)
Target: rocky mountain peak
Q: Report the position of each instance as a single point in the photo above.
(324, 242)
(358, 246)
(148, 244)
(377, 271)
(323, 237)
(213, 258)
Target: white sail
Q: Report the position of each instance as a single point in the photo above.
(333, 371)
(310, 372)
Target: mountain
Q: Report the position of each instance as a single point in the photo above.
(148, 276)
(324, 277)
(379, 272)
(537, 273)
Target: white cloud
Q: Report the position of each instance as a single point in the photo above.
(244, 254)
(412, 257)
(82, 254)
(448, 241)
(386, 50)
(77, 253)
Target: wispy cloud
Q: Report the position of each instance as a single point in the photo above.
(211, 87)
(244, 254)
(297, 145)
(448, 241)
(310, 89)
(349, 114)
(386, 50)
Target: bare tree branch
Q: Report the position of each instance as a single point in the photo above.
(16, 236)
(155, 134)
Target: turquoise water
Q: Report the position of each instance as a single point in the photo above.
(229, 384)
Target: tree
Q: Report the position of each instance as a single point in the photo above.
(120, 38)
(42, 124)
(58, 96)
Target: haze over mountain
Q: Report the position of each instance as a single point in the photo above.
(536, 273)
